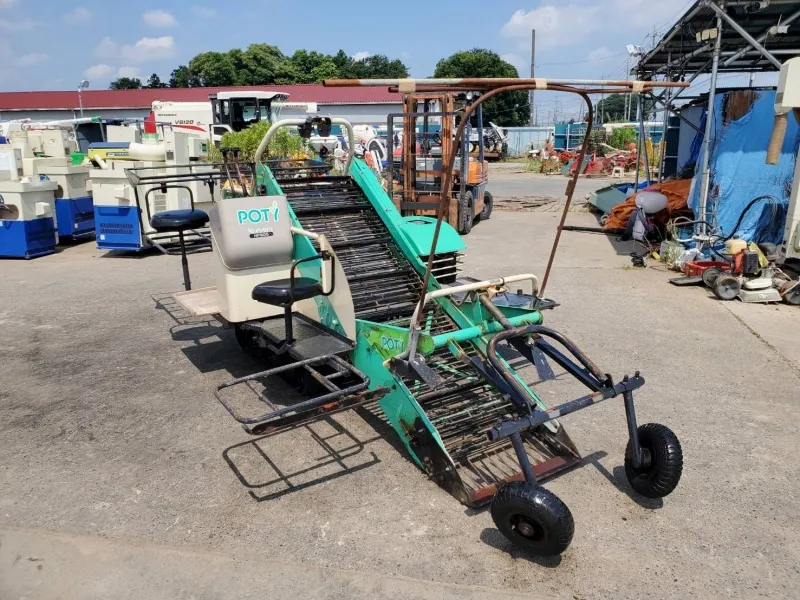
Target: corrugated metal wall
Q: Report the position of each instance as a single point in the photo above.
(522, 139)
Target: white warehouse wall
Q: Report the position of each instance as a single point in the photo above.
(357, 114)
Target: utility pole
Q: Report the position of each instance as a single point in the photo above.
(533, 59)
(627, 74)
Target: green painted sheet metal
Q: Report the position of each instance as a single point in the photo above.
(398, 404)
(419, 233)
(390, 341)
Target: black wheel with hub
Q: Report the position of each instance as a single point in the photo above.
(533, 518)
(727, 287)
(488, 205)
(711, 275)
(662, 463)
(466, 212)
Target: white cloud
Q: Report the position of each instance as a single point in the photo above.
(132, 72)
(99, 71)
(28, 60)
(552, 21)
(148, 49)
(18, 25)
(145, 50)
(107, 48)
(361, 55)
(79, 15)
(205, 12)
(159, 18)
(519, 63)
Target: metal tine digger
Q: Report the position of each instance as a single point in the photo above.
(320, 276)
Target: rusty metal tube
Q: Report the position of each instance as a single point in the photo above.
(490, 88)
(570, 190)
(448, 177)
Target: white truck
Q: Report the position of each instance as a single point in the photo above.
(227, 111)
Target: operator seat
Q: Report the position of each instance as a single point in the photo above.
(181, 220)
(285, 292)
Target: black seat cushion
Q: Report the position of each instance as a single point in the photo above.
(278, 292)
(178, 220)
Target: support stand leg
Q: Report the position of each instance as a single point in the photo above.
(187, 284)
(633, 433)
(522, 456)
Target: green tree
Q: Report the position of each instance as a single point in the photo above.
(126, 83)
(612, 108)
(509, 108)
(344, 63)
(327, 69)
(311, 67)
(182, 77)
(213, 69)
(377, 66)
(155, 82)
(263, 64)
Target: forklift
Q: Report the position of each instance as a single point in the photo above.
(428, 124)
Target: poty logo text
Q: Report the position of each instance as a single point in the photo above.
(259, 215)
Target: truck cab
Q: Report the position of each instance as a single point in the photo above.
(235, 111)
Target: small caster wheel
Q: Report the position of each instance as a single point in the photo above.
(661, 470)
(533, 518)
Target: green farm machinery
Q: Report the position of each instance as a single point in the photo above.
(320, 276)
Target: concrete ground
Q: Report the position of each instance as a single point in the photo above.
(121, 477)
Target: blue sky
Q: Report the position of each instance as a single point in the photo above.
(49, 44)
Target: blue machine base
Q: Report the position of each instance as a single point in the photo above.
(117, 228)
(75, 217)
(27, 239)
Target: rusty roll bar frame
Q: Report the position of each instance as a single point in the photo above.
(490, 87)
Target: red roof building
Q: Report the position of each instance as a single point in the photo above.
(94, 100)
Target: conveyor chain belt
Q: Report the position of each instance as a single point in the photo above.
(386, 288)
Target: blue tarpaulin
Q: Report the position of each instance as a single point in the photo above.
(739, 172)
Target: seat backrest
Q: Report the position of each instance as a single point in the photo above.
(252, 232)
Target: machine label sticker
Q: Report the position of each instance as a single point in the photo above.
(261, 232)
(256, 216)
(392, 344)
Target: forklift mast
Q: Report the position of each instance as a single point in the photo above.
(424, 152)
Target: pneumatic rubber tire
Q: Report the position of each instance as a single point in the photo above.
(533, 518)
(663, 466)
(488, 205)
(466, 212)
